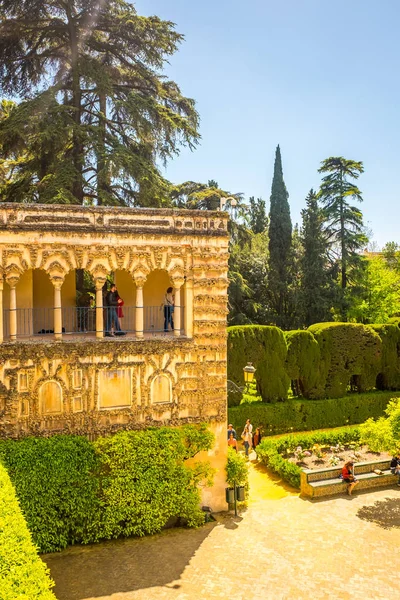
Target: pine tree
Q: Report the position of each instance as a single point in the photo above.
(345, 229)
(280, 243)
(317, 282)
(96, 110)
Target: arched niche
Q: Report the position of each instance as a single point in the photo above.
(50, 398)
(161, 389)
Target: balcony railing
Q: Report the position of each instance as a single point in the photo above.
(39, 322)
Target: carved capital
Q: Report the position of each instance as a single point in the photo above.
(57, 281)
(99, 283)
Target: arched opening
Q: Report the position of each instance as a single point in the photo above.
(50, 398)
(157, 317)
(34, 294)
(161, 389)
(126, 288)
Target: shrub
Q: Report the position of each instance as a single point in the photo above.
(270, 450)
(22, 573)
(236, 469)
(383, 434)
(350, 352)
(265, 347)
(389, 374)
(75, 491)
(302, 361)
(303, 415)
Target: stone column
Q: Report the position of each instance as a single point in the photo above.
(139, 312)
(177, 310)
(1, 310)
(57, 283)
(188, 317)
(12, 282)
(99, 308)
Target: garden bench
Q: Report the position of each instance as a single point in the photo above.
(326, 482)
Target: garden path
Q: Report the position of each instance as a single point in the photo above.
(281, 547)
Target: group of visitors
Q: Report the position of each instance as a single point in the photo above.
(250, 439)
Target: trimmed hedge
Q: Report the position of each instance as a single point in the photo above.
(321, 362)
(75, 491)
(303, 360)
(22, 573)
(265, 347)
(389, 373)
(270, 450)
(348, 351)
(303, 415)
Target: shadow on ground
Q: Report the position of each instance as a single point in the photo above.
(385, 513)
(124, 565)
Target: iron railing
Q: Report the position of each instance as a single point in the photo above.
(39, 322)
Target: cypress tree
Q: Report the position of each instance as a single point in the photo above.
(280, 243)
(317, 284)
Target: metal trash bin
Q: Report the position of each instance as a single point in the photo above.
(230, 495)
(240, 493)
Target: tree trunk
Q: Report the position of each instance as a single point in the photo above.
(102, 176)
(77, 145)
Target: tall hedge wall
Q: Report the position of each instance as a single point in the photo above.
(75, 491)
(321, 362)
(305, 415)
(303, 360)
(265, 347)
(22, 573)
(347, 350)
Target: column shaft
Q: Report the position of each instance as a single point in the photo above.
(177, 312)
(139, 320)
(57, 313)
(13, 313)
(99, 313)
(1, 312)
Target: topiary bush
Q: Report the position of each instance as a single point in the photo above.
(349, 353)
(302, 361)
(22, 573)
(265, 347)
(389, 373)
(270, 450)
(303, 415)
(75, 491)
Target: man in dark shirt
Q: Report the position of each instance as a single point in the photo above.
(231, 430)
(111, 308)
(395, 466)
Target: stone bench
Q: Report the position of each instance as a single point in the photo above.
(326, 482)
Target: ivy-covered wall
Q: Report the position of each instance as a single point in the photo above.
(75, 491)
(322, 362)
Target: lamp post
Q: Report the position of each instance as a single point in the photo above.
(248, 373)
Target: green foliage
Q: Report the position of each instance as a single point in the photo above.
(303, 415)
(22, 574)
(302, 362)
(350, 354)
(250, 394)
(378, 297)
(270, 450)
(265, 347)
(236, 469)
(96, 113)
(258, 219)
(383, 435)
(74, 491)
(280, 243)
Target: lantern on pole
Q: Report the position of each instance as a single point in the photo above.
(248, 373)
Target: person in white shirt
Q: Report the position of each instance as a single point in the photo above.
(169, 301)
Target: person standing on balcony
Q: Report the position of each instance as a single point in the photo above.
(112, 314)
(169, 302)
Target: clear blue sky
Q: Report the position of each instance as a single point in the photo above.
(320, 78)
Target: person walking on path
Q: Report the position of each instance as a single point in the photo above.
(256, 437)
(247, 436)
(231, 430)
(348, 476)
(169, 302)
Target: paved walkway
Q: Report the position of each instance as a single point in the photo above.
(281, 547)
